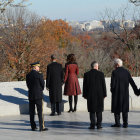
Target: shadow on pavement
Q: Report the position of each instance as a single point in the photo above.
(67, 124)
(46, 98)
(13, 99)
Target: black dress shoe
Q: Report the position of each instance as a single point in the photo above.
(44, 129)
(99, 127)
(125, 126)
(91, 127)
(34, 129)
(59, 113)
(116, 125)
(71, 110)
(52, 114)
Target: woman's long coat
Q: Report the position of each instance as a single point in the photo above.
(120, 80)
(54, 81)
(94, 90)
(71, 81)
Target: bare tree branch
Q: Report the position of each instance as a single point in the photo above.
(5, 3)
(136, 2)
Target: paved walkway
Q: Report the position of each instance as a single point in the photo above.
(69, 126)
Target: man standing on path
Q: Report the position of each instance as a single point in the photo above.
(54, 82)
(35, 84)
(94, 90)
(120, 80)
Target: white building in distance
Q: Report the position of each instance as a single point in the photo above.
(101, 25)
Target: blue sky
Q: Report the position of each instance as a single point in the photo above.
(78, 10)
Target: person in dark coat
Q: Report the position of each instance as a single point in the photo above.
(54, 82)
(35, 84)
(120, 80)
(94, 90)
(72, 87)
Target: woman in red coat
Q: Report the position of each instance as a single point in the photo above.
(72, 87)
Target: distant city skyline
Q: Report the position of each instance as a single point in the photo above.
(74, 10)
(102, 25)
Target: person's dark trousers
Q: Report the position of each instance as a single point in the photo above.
(52, 108)
(38, 104)
(56, 107)
(70, 103)
(75, 102)
(117, 118)
(124, 116)
(32, 113)
(99, 118)
(125, 119)
(93, 116)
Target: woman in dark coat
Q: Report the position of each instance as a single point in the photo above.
(72, 87)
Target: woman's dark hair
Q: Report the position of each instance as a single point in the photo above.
(71, 58)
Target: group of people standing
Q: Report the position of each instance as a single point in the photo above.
(94, 90)
(55, 79)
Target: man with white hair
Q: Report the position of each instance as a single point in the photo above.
(120, 80)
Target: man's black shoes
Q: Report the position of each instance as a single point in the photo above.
(91, 127)
(59, 113)
(125, 126)
(43, 129)
(34, 129)
(70, 110)
(116, 125)
(52, 114)
(99, 127)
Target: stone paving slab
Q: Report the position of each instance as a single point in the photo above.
(69, 126)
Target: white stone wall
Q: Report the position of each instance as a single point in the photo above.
(14, 100)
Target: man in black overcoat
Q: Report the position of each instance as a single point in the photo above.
(35, 84)
(54, 82)
(120, 80)
(94, 90)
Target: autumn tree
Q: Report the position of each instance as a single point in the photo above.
(27, 38)
(53, 38)
(85, 40)
(17, 35)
